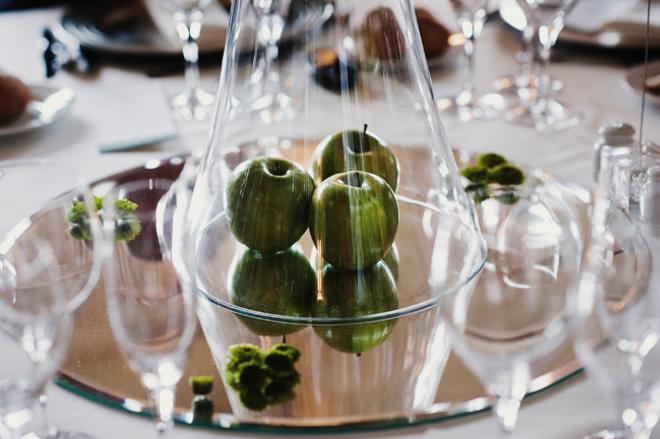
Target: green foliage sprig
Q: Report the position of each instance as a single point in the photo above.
(491, 168)
(127, 228)
(262, 378)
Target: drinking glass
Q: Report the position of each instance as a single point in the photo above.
(524, 83)
(151, 310)
(193, 102)
(540, 109)
(469, 104)
(46, 272)
(270, 24)
(515, 318)
(617, 308)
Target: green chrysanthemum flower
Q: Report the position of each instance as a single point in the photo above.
(489, 160)
(506, 175)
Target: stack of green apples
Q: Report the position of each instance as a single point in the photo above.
(350, 207)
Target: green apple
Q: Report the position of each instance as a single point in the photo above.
(354, 150)
(283, 283)
(267, 201)
(392, 261)
(355, 294)
(353, 219)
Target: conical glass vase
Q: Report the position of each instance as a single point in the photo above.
(328, 214)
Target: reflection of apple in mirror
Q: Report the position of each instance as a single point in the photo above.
(353, 220)
(283, 284)
(354, 150)
(354, 294)
(267, 203)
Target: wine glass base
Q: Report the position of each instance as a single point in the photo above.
(470, 107)
(555, 116)
(193, 105)
(514, 84)
(274, 108)
(71, 435)
(610, 434)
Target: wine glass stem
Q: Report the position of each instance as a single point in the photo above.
(163, 398)
(471, 25)
(527, 52)
(270, 32)
(509, 388)
(40, 424)
(189, 26)
(506, 409)
(546, 37)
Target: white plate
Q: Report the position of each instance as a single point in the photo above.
(635, 81)
(48, 105)
(622, 36)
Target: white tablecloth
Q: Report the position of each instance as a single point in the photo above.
(568, 411)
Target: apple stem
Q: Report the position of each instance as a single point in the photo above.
(284, 339)
(365, 129)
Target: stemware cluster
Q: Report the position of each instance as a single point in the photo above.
(533, 89)
(617, 308)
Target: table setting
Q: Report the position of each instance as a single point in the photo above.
(361, 218)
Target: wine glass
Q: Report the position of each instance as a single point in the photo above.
(270, 22)
(540, 109)
(193, 102)
(469, 104)
(48, 267)
(515, 318)
(151, 310)
(524, 82)
(617, 307)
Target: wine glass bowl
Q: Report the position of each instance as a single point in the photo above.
(48, 268)
(517, 314)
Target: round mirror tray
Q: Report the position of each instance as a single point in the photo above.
(97, 370)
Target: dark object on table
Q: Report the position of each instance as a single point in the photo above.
(435, 36)
(383, 37)
(118, 27)
(202, 406)
(10, 5)
(60, 55)
(14, 98)
(332, 72)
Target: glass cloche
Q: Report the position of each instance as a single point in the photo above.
(328, 214)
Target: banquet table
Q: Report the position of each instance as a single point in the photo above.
(595, 84)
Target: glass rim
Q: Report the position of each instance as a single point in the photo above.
(336, 321)
(9, 238)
